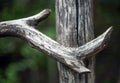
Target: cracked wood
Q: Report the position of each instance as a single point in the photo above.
(25, 29)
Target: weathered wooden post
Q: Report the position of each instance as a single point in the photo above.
(74, 23)
(74, 28)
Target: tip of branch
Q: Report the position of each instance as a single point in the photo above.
(43, 15)
(35, 19)
(77, 66)
(107, 34)
(94, 46)
(82, 69)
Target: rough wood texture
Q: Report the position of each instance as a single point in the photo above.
(74, 23)
(71, 57)
(86, 33)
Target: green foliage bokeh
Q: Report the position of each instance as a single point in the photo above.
(19, 63)
(27, 57)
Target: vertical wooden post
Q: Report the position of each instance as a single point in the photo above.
(74, 25)
(74, 28)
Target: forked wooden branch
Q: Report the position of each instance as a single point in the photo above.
(72, 57)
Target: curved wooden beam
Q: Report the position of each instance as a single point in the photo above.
(72, 57)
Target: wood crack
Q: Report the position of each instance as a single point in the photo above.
(71, 57)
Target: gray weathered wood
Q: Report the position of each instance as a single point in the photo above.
(74, 27)
(84, 51)
(74, 23)
(70, 56)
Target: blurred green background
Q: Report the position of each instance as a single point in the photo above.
(19, 63)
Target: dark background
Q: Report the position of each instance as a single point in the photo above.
(19, 63)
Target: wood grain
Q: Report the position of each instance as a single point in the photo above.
(69, 55)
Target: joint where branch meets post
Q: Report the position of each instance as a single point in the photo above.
(72, 57)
